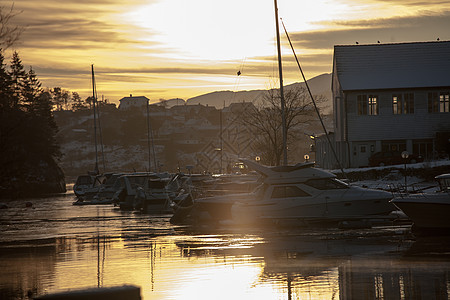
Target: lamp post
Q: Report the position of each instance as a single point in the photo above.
(405, 156)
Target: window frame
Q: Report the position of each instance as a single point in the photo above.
(372, 105)
(362, 104)
(397, 104)
(408, 103)
(444, 102)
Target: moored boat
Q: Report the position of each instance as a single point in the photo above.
(300, 194)
(428, 211)
(145, 192)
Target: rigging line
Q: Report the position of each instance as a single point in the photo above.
(97, 120)
(238, 79)
(100, 132)
(314, 102)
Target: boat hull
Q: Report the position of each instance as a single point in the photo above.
(310, 211)
(245, 209)
(430, 211)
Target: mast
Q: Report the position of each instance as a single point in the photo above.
(94, 100)
(280, 73)
(148, 139)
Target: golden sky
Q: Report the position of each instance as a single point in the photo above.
(164, 49)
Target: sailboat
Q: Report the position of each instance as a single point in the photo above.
(87, 185)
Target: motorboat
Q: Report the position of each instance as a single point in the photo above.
(88, 184)
(145, 192)
(428, 211)
(300, 193)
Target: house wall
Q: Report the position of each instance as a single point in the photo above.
(368, 133)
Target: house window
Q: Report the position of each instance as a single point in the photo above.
(423, 148)
(362, 104)
(444, 102)
(408, 103)
(373, 105)
(438, 102)
(393, 146)
(433, 102)
(403, 103)
(397, 104)
(367, 105)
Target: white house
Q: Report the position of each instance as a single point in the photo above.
(133, 102)
(391, 97)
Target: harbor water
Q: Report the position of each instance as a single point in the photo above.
(50, 246)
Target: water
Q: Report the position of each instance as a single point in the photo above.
(55, 246)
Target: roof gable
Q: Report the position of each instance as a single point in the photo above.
(135, 98)
(388, 66)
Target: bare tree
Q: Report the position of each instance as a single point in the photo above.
(264, 120)
(9, 34)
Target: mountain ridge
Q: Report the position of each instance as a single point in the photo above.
(319, 85)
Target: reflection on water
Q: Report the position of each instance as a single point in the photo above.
(55, 246)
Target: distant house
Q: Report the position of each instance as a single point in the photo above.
(391, 97)
(133, 102)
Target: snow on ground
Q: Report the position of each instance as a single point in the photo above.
(394, 181)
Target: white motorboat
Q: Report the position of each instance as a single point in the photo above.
(428, 210)
(299, 193)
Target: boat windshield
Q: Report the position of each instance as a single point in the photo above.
(260, 191)
(84, 180)
(326, 184)
(444, 184)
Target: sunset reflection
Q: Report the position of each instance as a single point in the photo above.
(169, 262)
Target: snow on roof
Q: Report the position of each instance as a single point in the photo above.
(388, 66)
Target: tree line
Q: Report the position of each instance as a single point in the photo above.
(28, 130)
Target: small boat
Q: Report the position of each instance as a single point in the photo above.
(428, 211)
(298, 195)
(144, 192)
(86, 184)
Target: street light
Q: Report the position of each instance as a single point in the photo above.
(405, 156)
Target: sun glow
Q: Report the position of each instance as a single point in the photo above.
(230, 30)
(176, 41)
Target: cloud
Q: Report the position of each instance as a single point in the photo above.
(425, 27)
(75, 24)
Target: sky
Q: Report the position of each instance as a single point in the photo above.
(165, 49)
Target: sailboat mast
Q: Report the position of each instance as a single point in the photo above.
(94, 100)
(148, 140)
(280, 73)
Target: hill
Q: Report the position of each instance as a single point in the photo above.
(320, 85)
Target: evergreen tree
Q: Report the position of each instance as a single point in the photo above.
(6, 94)
(28, 148)
(17, 75)
(31, 90)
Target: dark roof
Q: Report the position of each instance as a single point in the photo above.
(134, 98)
(389, 66)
